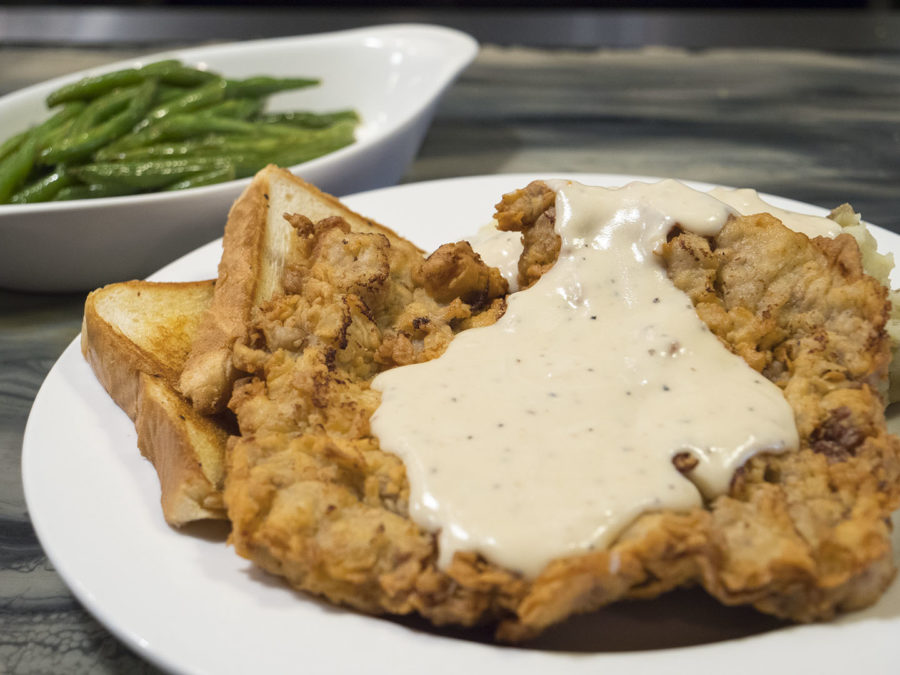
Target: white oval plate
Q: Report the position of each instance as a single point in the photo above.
(392, 75)
(187, 602)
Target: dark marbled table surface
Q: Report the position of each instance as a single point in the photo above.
(811, 125)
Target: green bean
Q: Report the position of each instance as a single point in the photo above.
(85, 143)
(236, 108)
(247, 163)
(166, 149)
(157, 69)
(185, 126)
(214, 156)
(15, 167)
(93, 191)
(91, 87)
(176, 73)
(215, 147)
(333, 139)
(181, 127)
(147, 175)
(265, 86)
(43, 189)
(154, 68)
(153, 174)
(195, 99)
(214, 144)
(176, 128)
(341, 132)
(297, 132)
(309, 119)
(225, 173)
(248, 159)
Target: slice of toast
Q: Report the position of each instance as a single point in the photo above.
(257, 245)
(136, 335)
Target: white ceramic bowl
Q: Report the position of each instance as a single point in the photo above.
(392, 75)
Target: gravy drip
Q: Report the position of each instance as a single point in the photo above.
(547, 433)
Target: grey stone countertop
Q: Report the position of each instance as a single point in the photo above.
(815, 126)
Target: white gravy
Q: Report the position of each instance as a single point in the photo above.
(548, 432)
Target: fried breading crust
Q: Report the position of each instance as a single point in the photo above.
(531, 211)
(801, 535)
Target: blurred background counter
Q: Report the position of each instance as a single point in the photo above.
(800, 103)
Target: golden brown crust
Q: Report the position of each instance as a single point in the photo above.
(119, 379)
(532, 211)
(451, 272)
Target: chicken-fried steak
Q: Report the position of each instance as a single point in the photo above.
(313, 498)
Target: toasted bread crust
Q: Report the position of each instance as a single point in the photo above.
(256, 244)
(208, 371)
(119, 379)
